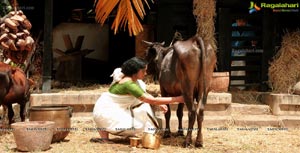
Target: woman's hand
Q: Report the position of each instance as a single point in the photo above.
(163, 108)
(179, 99)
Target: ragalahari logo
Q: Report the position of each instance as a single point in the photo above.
(253, 7)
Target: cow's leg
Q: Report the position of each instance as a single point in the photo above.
(199, 139)
(10, 114)
(167, 131)
(4, 113)
(192, 117)
(179, 116)
(22, 112)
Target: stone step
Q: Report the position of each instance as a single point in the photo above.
(250, 109)
(257, 120)
(244, 121)
(219, 111)
(290, 121)
(283, 104)
(217, 103)
(234, 108)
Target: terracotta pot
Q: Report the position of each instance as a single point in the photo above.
(220, 82)
(61, 115)
(33, 135)
(151, 141)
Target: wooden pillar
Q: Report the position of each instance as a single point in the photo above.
(47, 56)
(268, 44)
(224, 39)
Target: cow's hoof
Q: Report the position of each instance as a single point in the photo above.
(198, 145)
(167, 135)
(186, 144)
(179, 134)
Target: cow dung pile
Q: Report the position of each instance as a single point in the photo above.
(284, 70)
(15, 38)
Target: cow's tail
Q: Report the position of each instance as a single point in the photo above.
(203, 68)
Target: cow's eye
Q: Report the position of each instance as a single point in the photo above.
(152, 51)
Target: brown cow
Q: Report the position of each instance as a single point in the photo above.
(14, 88)
(186, 69)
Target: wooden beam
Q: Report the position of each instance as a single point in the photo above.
(78, 42)
(47, 56)
(58, 51)
(68, 42)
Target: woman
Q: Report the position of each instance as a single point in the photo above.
(125, 110)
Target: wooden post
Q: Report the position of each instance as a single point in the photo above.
(224, 39)
(268, 45)
(47, 56)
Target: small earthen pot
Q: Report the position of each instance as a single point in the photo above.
(33, 135)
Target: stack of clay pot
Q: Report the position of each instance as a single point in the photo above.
(15, 38)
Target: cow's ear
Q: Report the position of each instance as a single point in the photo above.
(162, 43)
(147, 43)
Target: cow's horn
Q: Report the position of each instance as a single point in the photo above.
(162, 43)
(147, 42)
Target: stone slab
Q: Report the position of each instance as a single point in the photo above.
(257, 120)
(250, 109)
(283, 104)
(290, 121)
(80, 102)
(217, 103)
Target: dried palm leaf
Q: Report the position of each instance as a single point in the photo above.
(125, 17)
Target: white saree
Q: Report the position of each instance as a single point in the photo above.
(123, 115)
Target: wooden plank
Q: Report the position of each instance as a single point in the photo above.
(65, 58)
(246, 68)
(245, 58)
(240, 38)
(238, 77)
(58, 51)
(246, 28)
(245, 85)
(78, 42)
(68, 42)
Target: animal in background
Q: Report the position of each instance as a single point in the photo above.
(14, 88)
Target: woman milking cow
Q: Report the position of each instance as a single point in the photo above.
(125, 109)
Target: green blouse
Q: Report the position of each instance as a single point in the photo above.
(126, 88)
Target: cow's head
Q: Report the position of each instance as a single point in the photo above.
(155, 53)
(153, 49)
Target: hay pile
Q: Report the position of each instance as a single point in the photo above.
(284, 70)
(205, 12)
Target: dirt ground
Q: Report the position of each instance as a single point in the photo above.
(216, 140)
(229, 139)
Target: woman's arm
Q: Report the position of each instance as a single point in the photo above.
(160, 100)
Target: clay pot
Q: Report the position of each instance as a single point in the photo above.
(33, 135)
(220, 82)
(61, 115)
(151, 141)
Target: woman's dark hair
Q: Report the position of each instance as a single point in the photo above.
(133, 65)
